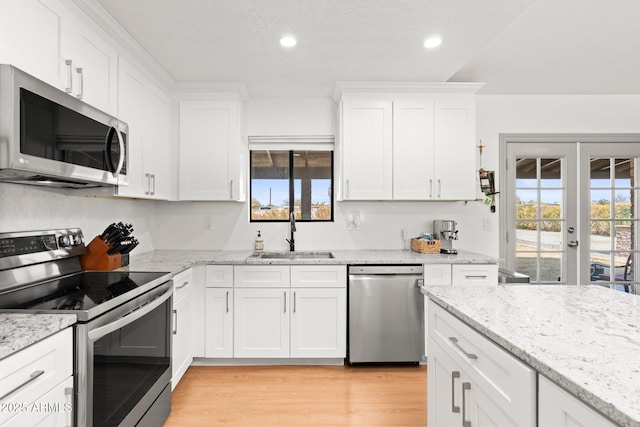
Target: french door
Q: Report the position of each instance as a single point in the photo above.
(570, 209)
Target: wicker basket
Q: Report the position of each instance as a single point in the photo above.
(425, 246)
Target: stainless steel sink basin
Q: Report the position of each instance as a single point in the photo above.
(292, 255)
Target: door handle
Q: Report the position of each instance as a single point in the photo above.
(465, 422)
(80, 83)
(69, 65)
(454, 375)
(573, 244)
(431, 188)
(148, 179)
(454, 340)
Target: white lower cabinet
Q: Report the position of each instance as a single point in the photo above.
(318, 322)
(296, 311)
(182, 325)
(219, 322)
(261, 322)
(36, 383)
(557, 408)
(473, 382)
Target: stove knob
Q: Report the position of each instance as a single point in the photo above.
(65, 241)
(77, 239)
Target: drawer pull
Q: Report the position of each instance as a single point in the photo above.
(454, 375)
(455, 342)
(227, 301)
(33, 376)
(465, 387)
(182, 286)
(469, 276)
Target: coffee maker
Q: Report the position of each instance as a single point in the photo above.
(445, 231)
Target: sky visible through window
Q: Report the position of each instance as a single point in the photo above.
(278, 190)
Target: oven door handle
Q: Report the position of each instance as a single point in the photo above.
(130, 317)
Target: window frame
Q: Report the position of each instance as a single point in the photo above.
(291, 187)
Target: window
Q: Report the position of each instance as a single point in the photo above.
(291, 181)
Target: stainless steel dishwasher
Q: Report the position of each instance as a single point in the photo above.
(386, 314)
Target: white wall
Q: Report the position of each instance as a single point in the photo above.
(546, 114)
(27, 208)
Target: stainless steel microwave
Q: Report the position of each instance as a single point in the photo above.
(50, 138)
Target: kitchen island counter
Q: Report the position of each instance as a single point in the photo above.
(176, 261)
(584, 338)
(18, 330)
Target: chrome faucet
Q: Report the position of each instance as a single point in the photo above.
(292, 242)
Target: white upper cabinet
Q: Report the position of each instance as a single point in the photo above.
(61, 49)
(413, 150)
(145, 108)
(367, 150)
(406, 145)
(36, 51)
(212, 150)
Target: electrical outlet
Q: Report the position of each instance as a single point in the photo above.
(208, 223)
(486, 224)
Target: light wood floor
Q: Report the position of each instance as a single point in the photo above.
(300, 396)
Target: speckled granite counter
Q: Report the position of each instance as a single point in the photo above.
(176, 261)
(18, 331)
(584, 338)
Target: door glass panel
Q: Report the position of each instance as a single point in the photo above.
(539, 222)
(613, 249)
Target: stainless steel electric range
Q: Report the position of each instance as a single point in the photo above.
(122, 366)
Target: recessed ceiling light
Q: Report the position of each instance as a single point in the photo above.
(287, 41)
(432, 42)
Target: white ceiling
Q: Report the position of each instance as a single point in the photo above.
(515, 46)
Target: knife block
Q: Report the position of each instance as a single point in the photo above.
(97, 258)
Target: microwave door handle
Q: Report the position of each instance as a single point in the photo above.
(122, 155)
(107, 149)
(130, 317)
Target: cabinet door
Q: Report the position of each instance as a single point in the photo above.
(413, 145)
(455, 151)
(209, 136)
(557, 408)
(261, 322)
(367, 153)
(319, 322)
(182, 325)
(36, 50)
(219, 322)
(156, 143)
(444, 391)
(94, 64)
(131, 89)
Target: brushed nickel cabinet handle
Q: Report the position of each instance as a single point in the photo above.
(439, 189)
(285, 301)
(69, 64)
(431, 188)
(153, 184)
(148, 179)
(454, 375)
(32, 376)
(465, 422)
(175, 324)
(455, 342)
(227, 301)
(80, 83)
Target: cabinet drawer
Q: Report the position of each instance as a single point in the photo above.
(437, 274)
(181, 284)
(474, 274)
(511, 383)
(28, 374)
(319, 276)
(261, 276)
(219, 276)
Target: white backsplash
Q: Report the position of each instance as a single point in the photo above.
(26, 208)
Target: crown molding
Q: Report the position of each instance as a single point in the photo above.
(342, 87)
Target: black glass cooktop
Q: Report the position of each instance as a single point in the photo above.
(78, 292)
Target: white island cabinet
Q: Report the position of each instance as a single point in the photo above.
(557, 408)
(36, 383)
(472, 381)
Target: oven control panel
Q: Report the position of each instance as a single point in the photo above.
(23, 248)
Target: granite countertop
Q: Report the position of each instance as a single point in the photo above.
(176, 261)
(584, 338)
(18, 330)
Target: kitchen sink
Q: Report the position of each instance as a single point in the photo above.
(292, 255)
